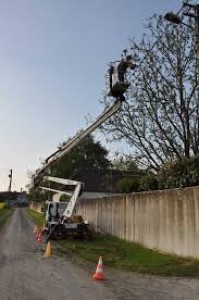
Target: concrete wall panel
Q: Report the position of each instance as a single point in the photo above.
(167, 220)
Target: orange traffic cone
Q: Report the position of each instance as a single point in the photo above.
(39, 237)
(99, 271)
(48, 250)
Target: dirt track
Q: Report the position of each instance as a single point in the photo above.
(25, 274)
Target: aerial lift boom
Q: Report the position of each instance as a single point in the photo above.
(68, 146)
(118, 85)
(61, 226)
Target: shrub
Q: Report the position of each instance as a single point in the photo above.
(2, 205)
(128, 185)
(149, 182)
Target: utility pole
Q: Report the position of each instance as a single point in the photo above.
(10, 186)
(10, 182)
(21, 197)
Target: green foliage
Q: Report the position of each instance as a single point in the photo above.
(181, 173)
(128, 164)
(128, 185)
(37, 195)
(146, 182)
(149, 182)
(132, 173)
(5, 215)
(124, 255)
(37, 218)
(3, 205)
(64, 198)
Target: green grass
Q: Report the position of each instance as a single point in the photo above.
(5, 213)
(38, 218)
(123, 255)
(131, 257)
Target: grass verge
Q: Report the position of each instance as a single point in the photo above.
(38, 218)
(123, 255)
(130, 257)
(5, 213)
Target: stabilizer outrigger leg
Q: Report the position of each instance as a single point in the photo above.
(51, 231)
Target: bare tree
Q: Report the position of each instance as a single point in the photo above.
(160, 119)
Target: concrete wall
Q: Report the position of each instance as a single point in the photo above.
(37, 206)
(165, 220)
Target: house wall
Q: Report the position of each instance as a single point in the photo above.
(166, 220)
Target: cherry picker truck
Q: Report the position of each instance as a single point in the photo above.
(61, 220)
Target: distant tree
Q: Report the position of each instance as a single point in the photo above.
(35, 194)
(180, 173)
(126, 163)
(160, 119)
(88, 156)
(132, 174)
(149, 182)
(129, 185)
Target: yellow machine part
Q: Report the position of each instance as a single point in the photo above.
(77, 219)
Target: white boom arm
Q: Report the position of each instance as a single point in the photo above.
(55, 191)
(75, 141)
(75, 194)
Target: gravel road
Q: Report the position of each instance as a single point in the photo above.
(25, 274)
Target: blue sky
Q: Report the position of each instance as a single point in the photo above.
(53, 57)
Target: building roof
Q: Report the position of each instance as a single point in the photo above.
(102, 181)
(11, 196)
